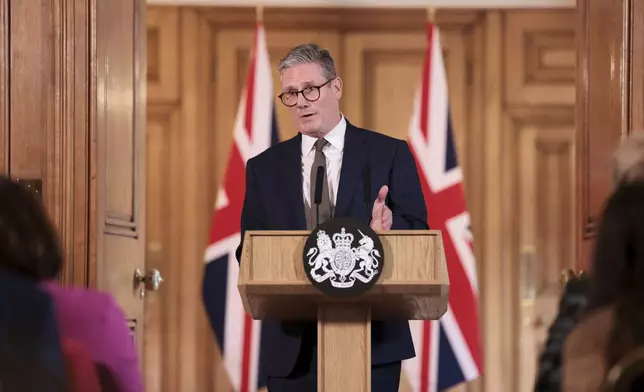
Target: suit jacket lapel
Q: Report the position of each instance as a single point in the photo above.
(292, 176)
(353, 161)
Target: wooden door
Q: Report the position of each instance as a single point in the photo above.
(71, 126)
(44, 115)
(117, 189)
(611, 103)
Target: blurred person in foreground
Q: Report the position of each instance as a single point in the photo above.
(31, 250)
(612, 324)
(628, 166)
(32, 358)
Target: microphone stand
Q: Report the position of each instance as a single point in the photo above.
(319, 185)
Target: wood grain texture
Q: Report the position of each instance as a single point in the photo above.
(5, 72)
(610, 98)
(49, 112)
(344, 348)
(117, 190)
(414, 284)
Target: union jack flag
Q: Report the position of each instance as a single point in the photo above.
(447, 351)
(238, 335)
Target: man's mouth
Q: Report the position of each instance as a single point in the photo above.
(307, 115)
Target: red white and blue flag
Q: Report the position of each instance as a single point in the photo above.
(238, 335)
(448, 351)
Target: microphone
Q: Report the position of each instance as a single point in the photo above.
(319, 177)
(366, 182)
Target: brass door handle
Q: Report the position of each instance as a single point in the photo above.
(151, 281)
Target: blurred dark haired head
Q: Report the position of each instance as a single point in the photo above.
(618, 262)
(28, 241)
(618, 268)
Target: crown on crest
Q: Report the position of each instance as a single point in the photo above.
(343, 239)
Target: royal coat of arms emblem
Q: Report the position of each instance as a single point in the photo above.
(335, 265)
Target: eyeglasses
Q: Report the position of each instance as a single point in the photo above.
(311, 94)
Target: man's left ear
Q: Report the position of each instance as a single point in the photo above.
(337, 87)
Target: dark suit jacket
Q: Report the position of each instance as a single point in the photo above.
(31, 355)
(274, 201)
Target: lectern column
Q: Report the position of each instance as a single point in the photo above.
(344, 348)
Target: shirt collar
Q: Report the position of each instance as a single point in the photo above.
(335, 137)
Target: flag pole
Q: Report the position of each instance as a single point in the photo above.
(431, 15)
(259, 12)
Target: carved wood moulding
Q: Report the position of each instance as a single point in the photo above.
(4, 86)
(45, 115)
(340, 19)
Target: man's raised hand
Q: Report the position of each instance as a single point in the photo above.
(381, 216)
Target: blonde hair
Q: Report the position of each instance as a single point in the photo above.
(628, 159)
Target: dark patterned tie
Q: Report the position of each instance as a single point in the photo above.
(325, 205)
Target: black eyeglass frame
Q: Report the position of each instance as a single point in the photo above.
(296, 93)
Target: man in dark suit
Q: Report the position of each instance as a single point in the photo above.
(278, 197)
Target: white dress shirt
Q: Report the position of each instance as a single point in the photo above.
(333, 152)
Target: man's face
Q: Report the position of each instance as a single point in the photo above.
(316, 117)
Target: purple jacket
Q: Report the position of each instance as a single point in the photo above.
(95, 319)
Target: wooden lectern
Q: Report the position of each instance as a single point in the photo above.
(414, 285)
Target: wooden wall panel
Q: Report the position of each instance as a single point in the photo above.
(197, 130)
(542, 70)
(33, 87)
(163, 312)
(118, 153)
(497, 305)
(165, 200)
(636, 69)
(539, 164)
(5, 70)
(163, 62)
(117, 83)
(611, 102)
(49, 115)
(179, 345)
(599, 111)
(538, 171)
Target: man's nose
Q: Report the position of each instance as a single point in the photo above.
(302, 103)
